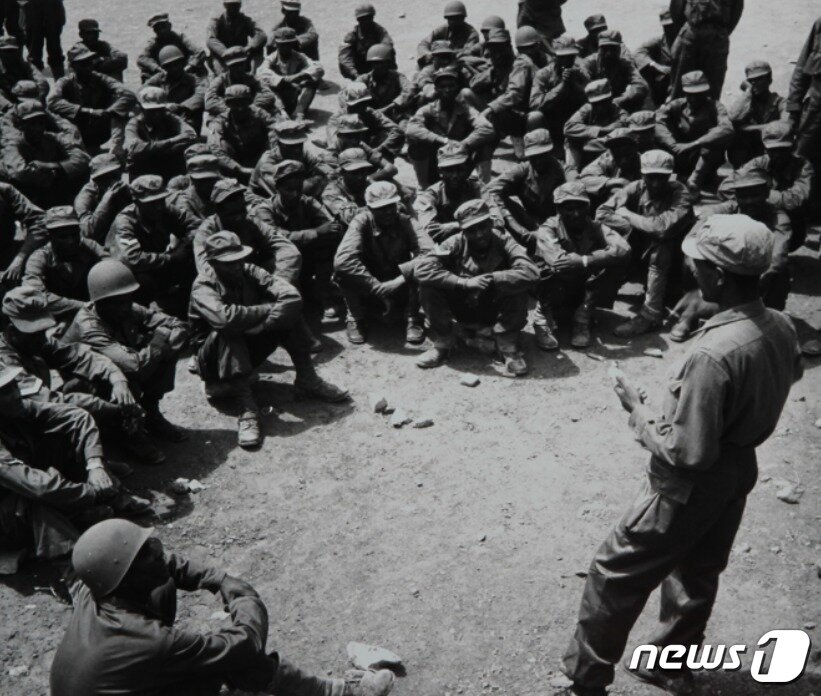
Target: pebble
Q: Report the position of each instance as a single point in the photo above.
(423, 423)
(653, 352)
(469, 380)
(790, 494)
(809, 625)
(378, 403)
(400, 418)
(482, 537)
(18, 671)
(818, 423)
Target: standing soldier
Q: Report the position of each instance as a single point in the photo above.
(306, 33)
(184, 89)
(464, 39)
(109, 60)
(44, 22)
(545, 16)
(164, 35)
(291, 74)
(232, 29)
(102, 198)
(353, 52)
(654, 59)
(723, 401)
(10, 20)
(804, 102)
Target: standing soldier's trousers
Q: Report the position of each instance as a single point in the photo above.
(702, 48)
(43, 22)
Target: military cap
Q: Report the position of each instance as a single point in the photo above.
(666, 18)
(88, 25)
(203, 167)
(381, 194)
(288, 169)
(225, 246)
(291, 5)
(565, 46)
(571, 191)
(153, 98)
(642, 121)
(354, 158)
(350, 123)
(169, 54)
(538, 142)
(148, 187)
(736, 243)
(8, 373)
(9, 43)
(224, 189)
(356, 93)
(472, 213)
(452, 154)
(104, 163)
(527, 36)
(79, 53)
(493, 22)
(656, 162)
(238, 93)
(442, 47)
(595, 22)
(364, 10)
(455, 8)
(752, 178)
(286, 35)
(196, 150)
(235, 54)
(694, 82)
(156, 19)
(610, 37)
(379, 53)
(27, 309)
(290, 132)
(758, 68)
(449, 71)
(60, 216)
(29, 109)
(619, 136)
(777, 134)
(498, 36)
(26, 89)
(598, 90)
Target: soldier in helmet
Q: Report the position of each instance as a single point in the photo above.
(234, 29)
(353, 52)
(164, 35)
(122, 635)
(585, 131)
(108, 60)
(237, 73)
(654, 59)
(463, 37)
(306, 33)
(630, 91)
(291, 74)
(102, 198)
(392, 94)
(185, 90)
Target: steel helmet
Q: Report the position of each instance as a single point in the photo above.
(104, 553)
(527, 36)
(455, 9)
(169, 54)
(493, 22)
(379, 53)
(109, 278)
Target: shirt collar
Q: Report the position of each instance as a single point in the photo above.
(748, 310)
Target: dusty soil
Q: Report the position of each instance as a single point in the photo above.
(457, 546)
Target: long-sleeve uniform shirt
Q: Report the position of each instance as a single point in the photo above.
(790, 187)
(147, 60)
(353, 50)
(664, 219)
(677, 123)
(431, 123)
(264, 97)
(243, 31)
(157, 148)
(435, 207)
(238, 145)
(602, 245)
(97, 210)
(15, 207)
(630, 91)
(464, 39)
(306, 35)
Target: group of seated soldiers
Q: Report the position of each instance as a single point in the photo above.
(203, 216)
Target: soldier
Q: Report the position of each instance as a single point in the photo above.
(589, 45)
(381, 132)
(144, 343)
(586, 130)
(28, 90)
(102, 199)
(10, 20)
(97, 104)
(374, 263)
(352, 132)
(613, 169)
(582, 263)
(110, 647)
(654, 59)
(235, 62)
(653, 214)
(642, 125)
(558, 88)
(164, 35)
(155, 139)
(291, 74)
(60, 268)
(48, 168)
(392, 94)
(448, 119)
(234, 29)
(16, 209)
(202, 173)
(307, 36)
(245, 314)
(752, 112)
(353, 51)
(721, 403)
(184, 89)
(463, 38)
(703, 42)
(344, 195)
(44, 22)
(630, 91)
(479, 277)
(108, 60)
(804, 101)
(544, 17)
(15, 69)
(423, 87)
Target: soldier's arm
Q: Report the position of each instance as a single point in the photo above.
(347, 64)
(58, 100)
(207, 303)
(34, 275)
(615, 252)
(636, 87)
(96, 216)
(130, 248)
(721, 133)
(663, 132)
(796, 196)
(515, 95)
(43, 486)
(418, 130)
(256, 36)
(575, 127)
(481, 131)
(30, 218)
(146, 61)
(123, 100)
(212, 40)
(348, 260)
(80, 360)
(522, 273)
(800, 81)
(432, 269)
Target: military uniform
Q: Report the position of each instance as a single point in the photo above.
(261, 95)
(378, 131)
(630, 91)
(545, 16)
(654, 59)
(147, 61)
(14, 69)
(240, 142)
(804, 101)
(353, 51)
(464, 39)
(186, 95)
(435, 207)
(392, 94)
(585, 130)
(101, 199)
(306, 33)
(224, 33)
(44, 21)
(108, 60)
(508, 95)
(14, 207)
(303, 74)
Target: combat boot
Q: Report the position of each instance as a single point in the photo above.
(414, 331)
(636, 326)
(432, 358)
(248, 434)
(354, 332)
(359, 683)
(580, 337)
(159, 426)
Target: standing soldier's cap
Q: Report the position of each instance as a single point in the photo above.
(758, 68)
(79, 53)
(493, 22)
(203, 167)
(349, 124)
(291, 5)
(452, 155)
(147, 188)
(88, 25)
(752, 178)
(110, 278)
(449, 71)
(354, 158)
(538, 142)
(9, 43)
(595, 22)
(619, 136)
(8, 373)
(235, 54)
(777, 134)
(364, 10)
(527, 36)
(157, 19)
(225, 189)
(472, 213)
(498, 36)
(666, 18)
(569, 192)
(153, 98)
(169, 54)
(656, 162)
(565, 46)
(60, 216)
(610, 37)
(694, 82)
(381, 194)
(379, 53)
(225, 246)
(356, 93)
(290, 132)
(236, 94)
(27, 309)
(104, 163)
(736, 243)
(598, 90)
(286, 35)
(642, 121)
(288, 169)
(29, 109)
(455, 9)
(442, 47)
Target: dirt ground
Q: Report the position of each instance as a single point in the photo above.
(458, 546)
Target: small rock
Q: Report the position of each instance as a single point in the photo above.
(400, 418)
(469, 380)
(423, 423)
(414, 592)
(219, 615)
(746, 548)
(765, 479)
(581, 573)
(818, 423)
(653, 352)
(378, 403)
(402, 15)
(363, 656)
(809, 625)
(482, 537)
(775, 549)
(790, 494)
(179, 486)
(18, 671)
(560, 682)
(574, 419)
(818, 568)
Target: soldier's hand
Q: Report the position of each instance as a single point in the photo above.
(568, 262)
(121, 394)
(14, 271)
(480, 283)
(630, 396)
(232, 587)
(391, 286)
(101, 482)
(663, 69)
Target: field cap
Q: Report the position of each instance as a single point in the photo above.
(452, 155)
(290, 132)
(752, 178)
(161, 18)
(619, 136)
(777, 134)
(598, 90)
(291, 5)
(235, 54)
(442, 47)
(197, 149)
(758, 68)
(349, 124)
(225, 246)
(364, 10)
(381, 194)
(60, 216)
(80, 53)
(595, 22)
(656, 162)
(29, 109)
(27, 309)
(153, 98)
(286, 35)
(353, 159)
(610, 37)
(104, 163)
(642, 121)
(238, 94)
(666, 18)
(694, 82)
(569, 192)
(472, 213)
(538, 142)
(225, 189)
(288, 169)
(357, 93)
(498, 36)
(447, 72)
(203, 167)
(736, 243)
(148, 187)
(88, 25)
(565, 46)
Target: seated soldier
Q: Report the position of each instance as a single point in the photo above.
(306, 34)
(642, 125)
(164, 35)
(47, 167)
(97, 104)
(374, 263)
(108, 60)
(353, 51)
(27, 90)
(752, 112)
(15, 69)
(654, 59)
(523, 194)
(463, 38)
(60, 268)
(155, 138)
(392, 94)
(184, 89)
(654, 214)
(696, 129)
(480, 278)
(233, 29)
(558, 89)
(240, 136)
(630, 91)
(144, 343)
(447, 119)
(103, 198)
(423, 87)
(344, 196)
(582, 264)
(350, 131)
(245, 313)
(153, 238)
(122, 636)
(595, 25)
(435, 206)
(585, 130)
(614, 168)
(290, 74)
(16, 208)
(382, 133)
(237, 74)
